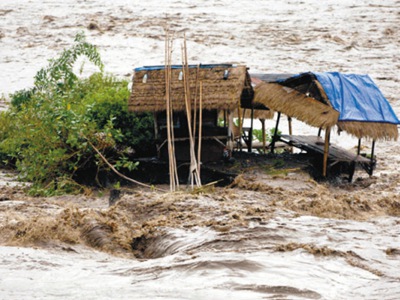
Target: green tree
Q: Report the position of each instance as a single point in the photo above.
(47, 128)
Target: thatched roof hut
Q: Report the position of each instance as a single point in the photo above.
(224, 86)
(350, 101)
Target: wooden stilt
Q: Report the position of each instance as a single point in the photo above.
(359, 147)
(250, 148)
(290, 130)
(275, 137)
(264, 142)
(326, 151)
(372, 158)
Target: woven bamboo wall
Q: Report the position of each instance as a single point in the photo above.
(217, 92)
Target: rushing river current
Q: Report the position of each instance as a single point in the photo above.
(286, 258)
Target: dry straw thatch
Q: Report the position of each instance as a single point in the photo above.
(218, 91)
(372, 130)
(259, 114)
(295, 104)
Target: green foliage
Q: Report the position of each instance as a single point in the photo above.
(46, 131)
(22, 97)
(257, 134)
(59, 73)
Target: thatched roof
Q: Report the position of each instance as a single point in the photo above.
(304, 97)
(295, 104)
(373, 130)
(257, 113)
(223, 87)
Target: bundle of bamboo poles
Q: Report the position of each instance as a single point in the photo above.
(173, 171)
(194, 169)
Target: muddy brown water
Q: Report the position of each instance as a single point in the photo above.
(269, 236)
(249, 241)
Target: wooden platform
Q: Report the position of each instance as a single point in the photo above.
(315, 144)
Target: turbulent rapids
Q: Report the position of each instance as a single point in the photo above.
(254, 238)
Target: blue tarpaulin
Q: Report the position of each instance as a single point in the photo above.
(356, 97)
(201, 66)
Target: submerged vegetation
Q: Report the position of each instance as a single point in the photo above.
(47, 129)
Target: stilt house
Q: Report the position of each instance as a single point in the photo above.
(210, 93)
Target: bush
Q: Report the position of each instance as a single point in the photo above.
(48, 127)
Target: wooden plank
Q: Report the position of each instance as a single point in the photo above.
(316, 144)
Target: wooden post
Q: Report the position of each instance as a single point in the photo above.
(326, 151)
(225, 123)
(319, 132)
(372, 158)
(275, 137)
(264, 142)
(250, 149)
(230, 125)
(359, 147)
(290, 130)
(156, 133)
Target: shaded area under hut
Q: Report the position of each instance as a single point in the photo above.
(351, 102)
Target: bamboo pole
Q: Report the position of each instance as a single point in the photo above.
(200, 128)
(168, 111)
(194, 175)
(173, 173)
(195, 101)
(175, 167)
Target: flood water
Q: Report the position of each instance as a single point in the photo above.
(286, 258)
(289, 238)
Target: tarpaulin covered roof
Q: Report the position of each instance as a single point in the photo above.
(332, 98)
(356, 97)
